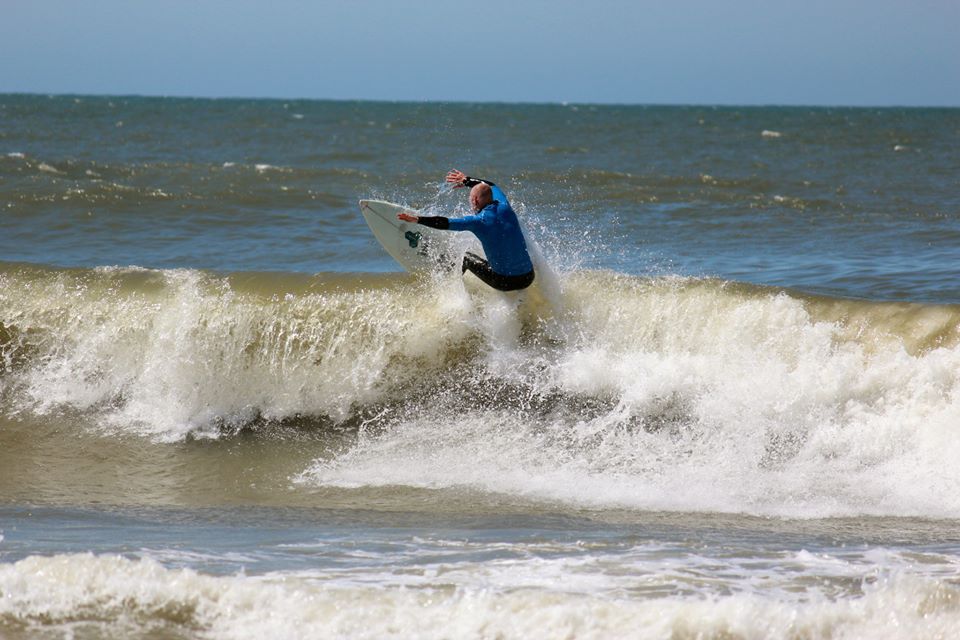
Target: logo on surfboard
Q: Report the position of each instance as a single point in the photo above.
(413, 238)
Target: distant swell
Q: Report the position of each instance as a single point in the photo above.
(605, 389)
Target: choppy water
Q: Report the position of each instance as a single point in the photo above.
(728, 408)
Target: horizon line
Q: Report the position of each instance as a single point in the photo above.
(559, 103)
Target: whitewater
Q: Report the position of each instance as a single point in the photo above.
(657, 394)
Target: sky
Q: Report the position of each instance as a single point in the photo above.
(743, 52)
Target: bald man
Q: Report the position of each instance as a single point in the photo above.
(508, 266)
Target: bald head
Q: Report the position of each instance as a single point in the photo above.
(480, 196)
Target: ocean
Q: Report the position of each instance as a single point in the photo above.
(729, 407)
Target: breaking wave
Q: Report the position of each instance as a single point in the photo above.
(599, 389)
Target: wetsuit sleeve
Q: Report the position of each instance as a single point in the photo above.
(472, 182)
(470, 223)
(436, 222)
(498, 193)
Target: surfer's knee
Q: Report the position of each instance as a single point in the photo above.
(471, 261)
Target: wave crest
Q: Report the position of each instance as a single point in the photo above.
(664, 393)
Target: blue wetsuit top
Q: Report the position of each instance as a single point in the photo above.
(498, 229)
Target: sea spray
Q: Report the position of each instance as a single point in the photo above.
(683, 394)
(181, 351)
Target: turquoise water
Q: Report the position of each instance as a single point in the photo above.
(728, 408)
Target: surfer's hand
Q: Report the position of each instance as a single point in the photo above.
(456, 178)
(407, 217)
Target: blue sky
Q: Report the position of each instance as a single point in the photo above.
(810, 52)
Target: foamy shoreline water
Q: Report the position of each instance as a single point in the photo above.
(528, 578)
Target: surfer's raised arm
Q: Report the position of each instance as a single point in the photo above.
(459, 179)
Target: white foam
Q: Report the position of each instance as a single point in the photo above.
(196, 353)
(766, 133)
(125, 596)
(46, 168)
(715, 403)
(263, 168)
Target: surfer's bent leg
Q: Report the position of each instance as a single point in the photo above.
(481, 268)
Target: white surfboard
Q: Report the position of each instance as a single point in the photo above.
(416, 247)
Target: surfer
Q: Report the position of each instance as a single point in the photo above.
(508, 266)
